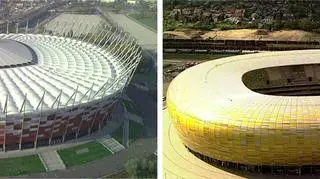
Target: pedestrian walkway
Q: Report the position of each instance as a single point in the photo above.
(111, 144)
(51, 161)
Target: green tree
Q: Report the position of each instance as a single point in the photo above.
(307, 24)
(142, 167)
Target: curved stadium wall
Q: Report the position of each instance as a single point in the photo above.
(223, 122)
(55, 88)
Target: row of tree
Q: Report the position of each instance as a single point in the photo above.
(142, 167)
(302, 15)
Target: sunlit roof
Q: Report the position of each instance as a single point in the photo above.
(59, 65)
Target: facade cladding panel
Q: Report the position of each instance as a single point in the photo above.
(216, 115)
(56, 125)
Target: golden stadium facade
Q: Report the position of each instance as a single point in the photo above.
(216, 115)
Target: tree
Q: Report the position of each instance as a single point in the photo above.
(307, 24)
(142, 167)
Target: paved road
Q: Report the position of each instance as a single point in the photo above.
(145, 37)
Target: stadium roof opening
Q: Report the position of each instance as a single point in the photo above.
(14, 53)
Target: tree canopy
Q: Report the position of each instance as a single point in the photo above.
(142, 167)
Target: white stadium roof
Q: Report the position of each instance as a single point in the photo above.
(51, 65)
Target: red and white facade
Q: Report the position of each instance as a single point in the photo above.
(60, 88)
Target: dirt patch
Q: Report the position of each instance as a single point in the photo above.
(176, 35)
(245, 34)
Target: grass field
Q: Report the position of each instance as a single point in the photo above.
(21, 166)
(135, 132)
(95, 151)
(150, 20)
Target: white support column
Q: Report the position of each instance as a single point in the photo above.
(22, 124)
(41, 106)
(92, 122)
(83, 39)
(17, 28)
(5, 110)
(82, 32)
(52, 130)
(93, 33)
(37, 23)
(76, 31)
(79, 128)
(56, 29)
(22, 110)
(8, 27)
(125, 135)
(27, 26)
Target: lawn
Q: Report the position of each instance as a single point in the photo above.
(150, 19)
(135, 132)
(21, 166)
(84, 153)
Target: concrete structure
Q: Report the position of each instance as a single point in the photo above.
(51, 161)
(59, 88)
(220, 119)
(111, 144)
(77, 23)
(145, 37)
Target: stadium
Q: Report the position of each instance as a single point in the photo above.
(59, 87)
(255, 113)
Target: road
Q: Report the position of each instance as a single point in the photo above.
(146, 38)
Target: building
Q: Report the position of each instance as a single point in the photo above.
(56, 88)
(251, 112)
